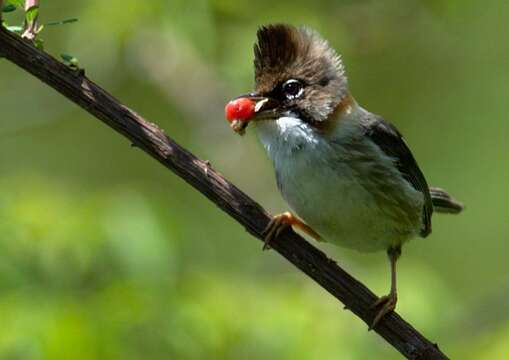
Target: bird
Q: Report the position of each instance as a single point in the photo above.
(347, 174)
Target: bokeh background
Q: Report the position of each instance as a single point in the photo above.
(104, 254)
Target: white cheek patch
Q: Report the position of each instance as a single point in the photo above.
(284, 135)
(288, 123)
(296, 132)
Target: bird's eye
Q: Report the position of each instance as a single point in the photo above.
(292, 89)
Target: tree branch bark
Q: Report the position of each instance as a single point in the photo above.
(78, 88)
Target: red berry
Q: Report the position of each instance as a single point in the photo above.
(240, 109)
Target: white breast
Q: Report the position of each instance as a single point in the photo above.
(317, 179)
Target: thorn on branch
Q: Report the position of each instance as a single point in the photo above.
(207, 166)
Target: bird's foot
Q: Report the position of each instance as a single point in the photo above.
(278, 224)
(281, 222)
(388, 304)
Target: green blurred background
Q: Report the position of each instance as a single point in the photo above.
(104, 254)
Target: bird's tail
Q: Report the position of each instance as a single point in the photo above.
(443, 202)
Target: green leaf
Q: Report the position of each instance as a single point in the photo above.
(67, 21)
(8, 8)
(31, 14)
(39, 43)
(16, 3)
(15, 29)
(70, 60)
(66, 57)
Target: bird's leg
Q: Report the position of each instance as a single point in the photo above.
(281, 222)
(388, 302)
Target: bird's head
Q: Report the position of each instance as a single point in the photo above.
(297, 74)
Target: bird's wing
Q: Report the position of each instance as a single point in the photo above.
(390, 141)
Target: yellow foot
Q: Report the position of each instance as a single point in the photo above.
(281, 222)
(278, 224)
(388, 303)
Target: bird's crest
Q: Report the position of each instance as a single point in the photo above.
(284, 51)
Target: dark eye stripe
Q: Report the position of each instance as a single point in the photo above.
(279, 92)
(292, 88)
(325, 81)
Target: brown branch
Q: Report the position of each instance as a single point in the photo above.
(76, 87)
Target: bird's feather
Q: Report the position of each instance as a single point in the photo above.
(390, 141)
(445, 203)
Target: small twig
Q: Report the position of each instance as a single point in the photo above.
(30, 27)
(148, 137)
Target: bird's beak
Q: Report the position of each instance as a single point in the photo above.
(246, 108)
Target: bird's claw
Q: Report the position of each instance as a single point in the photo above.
(276, 226)
(388, 303)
